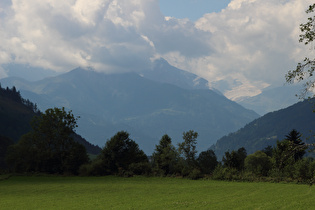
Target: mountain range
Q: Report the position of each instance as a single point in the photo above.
(146, 104)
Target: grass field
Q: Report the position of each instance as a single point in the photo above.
(49, 192)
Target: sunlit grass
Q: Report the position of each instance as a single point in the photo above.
(49, 192)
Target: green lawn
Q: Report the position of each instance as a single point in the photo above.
(49, 192)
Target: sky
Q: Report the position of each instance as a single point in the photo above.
(191, 9)
(239, 46)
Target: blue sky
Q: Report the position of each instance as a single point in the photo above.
(192, 9)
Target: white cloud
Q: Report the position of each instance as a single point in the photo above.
(251, 44)
(255, 41)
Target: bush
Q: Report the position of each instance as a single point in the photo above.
(96, 168)
(195, 174)
(142, 168)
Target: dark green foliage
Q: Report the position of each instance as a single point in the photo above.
(120, 152)
(296, 145)
(188, 147)
(49, 147)
(165, 157)
(207, 161)
(258, 163)
(15, 115)
(268, 150)
(235, 159)
(75, 158)
(304, 169)
(4, 144)
(22, 157)
(282, 155)
(289, 150)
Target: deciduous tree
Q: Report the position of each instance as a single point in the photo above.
(207, 161)
(122, 155)
(49, 147)
(188, 147)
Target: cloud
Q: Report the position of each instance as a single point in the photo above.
(108, 35)
(256, 43)
(249, 45)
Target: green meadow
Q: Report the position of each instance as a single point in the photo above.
(56, 192)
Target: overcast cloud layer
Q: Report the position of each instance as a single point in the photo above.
(246, 47)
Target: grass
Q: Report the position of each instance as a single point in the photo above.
(50, 192)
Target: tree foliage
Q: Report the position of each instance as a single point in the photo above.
(289, 150)
(258, 163)
(165, 157)
(4, 144)
(235, 159)
(207, 161)
(49, 146)
(188, 147)
(122, 155)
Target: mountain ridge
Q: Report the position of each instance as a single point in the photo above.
(266, 130)
(147, 109)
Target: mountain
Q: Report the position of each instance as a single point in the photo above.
(16, 114)
(273, 126)
(272, 99)
(26, 71)
(163, 72)
(147, 109)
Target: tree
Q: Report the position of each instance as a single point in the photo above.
(268, 150)
(258, 163)
(122, 155)
(289, 150)
(4, 144)
(207, 161)
(49, 146)
(305, 69)
(235, 159)
(165, 156)
(297, 146)
(188, 147)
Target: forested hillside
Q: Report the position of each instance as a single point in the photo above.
(273, 126)
(16, 114)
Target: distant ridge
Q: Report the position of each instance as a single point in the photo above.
(273, 126)
(147, 109)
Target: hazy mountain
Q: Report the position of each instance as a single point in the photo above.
(163, 72)
(145, 108)
(27, 72)
(271, 127)
(272, 99)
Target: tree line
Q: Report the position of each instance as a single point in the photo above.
(13, 94)
(50, 148)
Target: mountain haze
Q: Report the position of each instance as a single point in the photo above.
(147, 109)
(272, 99)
